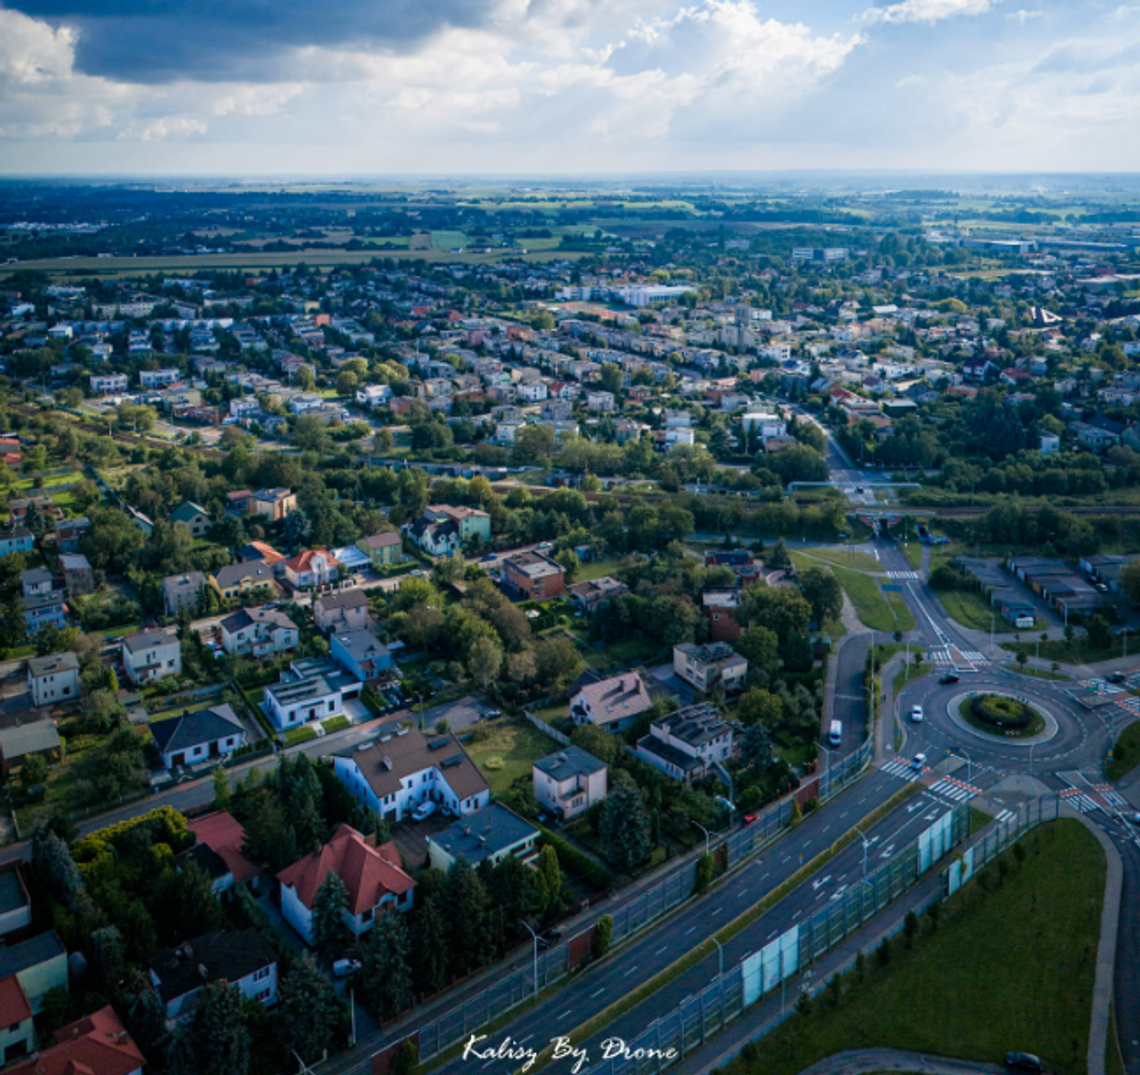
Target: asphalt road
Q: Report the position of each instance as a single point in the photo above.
(598, 989)
(1126, 1004)
(660, 946)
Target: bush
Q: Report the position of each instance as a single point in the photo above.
(604, 933)
(1000, 711)
(574, 861)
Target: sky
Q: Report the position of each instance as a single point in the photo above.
(250, 88)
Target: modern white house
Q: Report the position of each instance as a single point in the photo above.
(53, 679)
(373, 395)
(313, 567)
(372, 875)
(151, 655)
(246, 960)
(311, 689)
(398, 771)
(709, 667)
(259, 631)
(569, 782)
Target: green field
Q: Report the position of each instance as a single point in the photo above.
(972, 610)
(856, 561)
(596, 569)
(912, 550)
(1125, 753)
(627, 651)
(981, 984)
(1079, 651)
(904, 675)
(873, 606)
(512, 748)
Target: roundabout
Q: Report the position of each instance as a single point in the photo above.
(1002, 718)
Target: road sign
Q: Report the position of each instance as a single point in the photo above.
(891, 588)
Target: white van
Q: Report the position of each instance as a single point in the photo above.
(1024, 621)
(836, 735)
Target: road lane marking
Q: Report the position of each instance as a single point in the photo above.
(598, 993)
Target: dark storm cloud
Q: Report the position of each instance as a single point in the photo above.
(156, 41)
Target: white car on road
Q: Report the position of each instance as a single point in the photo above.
(916, 714)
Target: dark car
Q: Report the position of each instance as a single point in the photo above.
(1024, 1062)
(1117, 677)
(949, 677)
(486, 559)
(553, 934)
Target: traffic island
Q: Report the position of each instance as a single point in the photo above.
(1002, 717)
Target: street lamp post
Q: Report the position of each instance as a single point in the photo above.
(705, 831)
(866, 844)
(720, 956)
(991, 634)
(534, 935)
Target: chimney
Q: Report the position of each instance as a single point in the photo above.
(203, 972)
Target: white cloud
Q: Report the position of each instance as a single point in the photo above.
(926, 10)
(1023, 16)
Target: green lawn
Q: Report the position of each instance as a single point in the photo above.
(618, 653)
(917, 671)
(912, 550)
(1079, 651)
(873, 606)
(447, 240)
(972, 610)
(857, 561)
(997, 974)
(511, 749)
(1125, 752)
(299, 735)
(336, 724)
(1036, 673)
(595, 569)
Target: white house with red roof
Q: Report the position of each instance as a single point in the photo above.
(97, 1044)
(372, 875)
(222, 833)
(313, 567)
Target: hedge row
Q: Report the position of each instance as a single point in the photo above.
(164, 824)
(576, 862)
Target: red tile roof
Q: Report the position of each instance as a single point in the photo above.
(369, 873)
(14, 1006)
(222, 833)
(268, 553)
(97, 1044)
(302, 561)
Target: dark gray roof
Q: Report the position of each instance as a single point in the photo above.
(25, 739)
(194, 729)
(220, 954)
(568, 762)
(146, 639)
(234, 573)
(360, 645)
(244, 617)
(35, 575)
(13, 895)
(53, 663)
(45, 600)
(343, 599)
(484, 833)
(187, 580)
(30, 953)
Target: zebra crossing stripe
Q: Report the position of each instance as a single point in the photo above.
(901, 769)
(1079, 800)
(1004, 816)
(952, 790)
(1111, 796)
(913, 576)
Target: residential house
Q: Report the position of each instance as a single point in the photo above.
(612, 704)
(443, 528)
(259, 631)
(371, 874)
(246, 960)
(1096, 438)
(313, 567)
(686, 743)
(182, 591)
(398, 771)
(69, 531)
(260, 552)
(36, 582)
(978, 368)
(217, 850)
(97, 1044)
(488, 835)
(40, 963)
(373, 395)
(600, 402)
(77, 574)
(310, 689)
(16, 539)
(360, 653)
(18, 508)
(199, 736)
(239, 501)
(587, 597)
(159, 378)
(195, 517)
(534, 575)
(108, 384)
(719, 605)
(17, 1030)
(275, 504)
(44, 610)
(23, 740)
(343, 611)
(715, 666)
(151, 655)
(742, 562)
(569, 782)
(384, 548)
(53, 679)
(143, 522)
(15, 903)
(239, 580)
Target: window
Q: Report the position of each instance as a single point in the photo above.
(261, 975)
(366, 916)
(332, 705)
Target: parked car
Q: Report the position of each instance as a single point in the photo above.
(553, 934)
(750, 819)
(950, 677)
(491, 714)
(544, 545)
(916, 714)
(1024, 1062)
(342, 968)
(488, 558)
(424, 810)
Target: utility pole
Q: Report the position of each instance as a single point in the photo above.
(524, 922)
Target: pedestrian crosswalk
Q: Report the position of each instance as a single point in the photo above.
(1078, 800)
(955, 790)
(1102, 686)
(912, 576)
(1111, 796)
(947, 655)
(1005, 817)
(903, 769)
(1132, 704)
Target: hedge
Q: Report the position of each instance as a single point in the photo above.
(1001, 711)
(576, 862)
